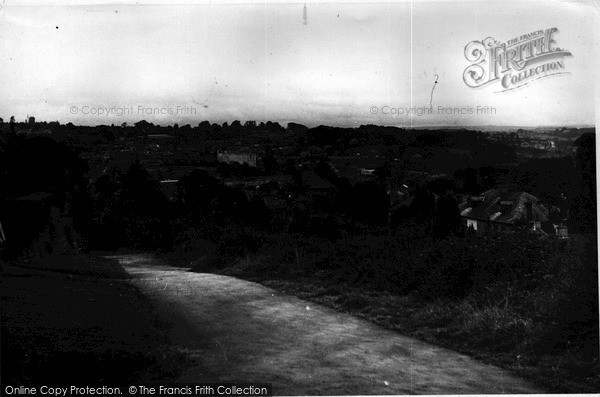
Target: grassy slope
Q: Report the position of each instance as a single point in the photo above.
(443, 323)
(68, 320)
(496, 334)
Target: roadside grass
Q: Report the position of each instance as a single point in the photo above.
(81, 265)
(533, 314)
(76, 320)
(493, 334)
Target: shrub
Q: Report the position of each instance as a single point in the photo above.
(238, 241)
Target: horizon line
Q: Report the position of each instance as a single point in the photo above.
(409, 127)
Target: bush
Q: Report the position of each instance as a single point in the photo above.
(405, 261)
(238, 241)
(523, 296)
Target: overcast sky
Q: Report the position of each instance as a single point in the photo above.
(268, 62)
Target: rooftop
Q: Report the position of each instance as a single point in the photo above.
(503, 205)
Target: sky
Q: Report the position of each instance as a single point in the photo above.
(338, 63)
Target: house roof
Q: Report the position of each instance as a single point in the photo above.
(405, 202)
(311, 180)
(274, 202)
(36, 196)
(502, 205)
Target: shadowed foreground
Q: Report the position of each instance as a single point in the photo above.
(241, 331)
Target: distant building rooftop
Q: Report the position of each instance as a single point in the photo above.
(505, 206)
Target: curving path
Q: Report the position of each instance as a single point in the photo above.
(242, 331)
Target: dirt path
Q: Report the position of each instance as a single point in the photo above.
(242, 331)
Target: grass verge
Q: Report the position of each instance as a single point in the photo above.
(491, 334)
(76, 320)
(529, 306)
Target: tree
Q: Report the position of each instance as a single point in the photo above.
(468, 180)
(269, 161)
(423, 204)
(583, 208)
(370, 203)
(273, 127)
(297, 128)
(143, 209)
(447, 216)
(143, 124)
(258, 213)
(383, 171)
(107, 134)
(41, 167)
(199, 193)
(204, 125)
(289, 167)
(325, 170)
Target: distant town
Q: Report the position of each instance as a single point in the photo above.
(321, 170)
